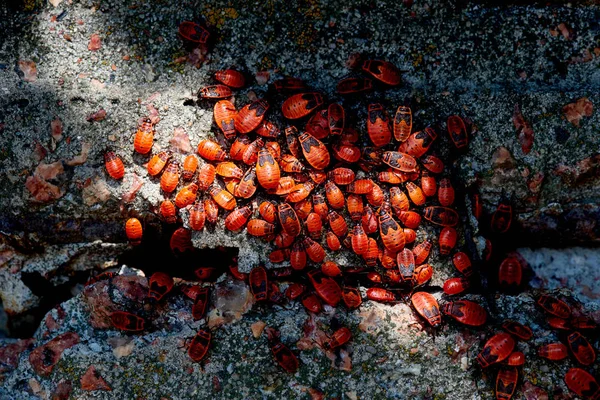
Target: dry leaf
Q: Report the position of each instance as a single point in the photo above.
(29, 70)
(96, 192)
(136, 185)
(575, 111)
(565, 31)
(42, 191)
(92, 380)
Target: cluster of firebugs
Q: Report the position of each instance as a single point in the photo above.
(307, 191)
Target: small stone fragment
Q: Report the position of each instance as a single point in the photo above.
(56, 128)
(136, 185)
(29, 70)
(81, 158)
(181, 140)
(573, 112)
(92, 380)
(262, 77)
(257, 328)
(97, 116)
(62, 391)
(9, 354)
(95, 192)
(95, 42)
(45, 357)
(502, 158)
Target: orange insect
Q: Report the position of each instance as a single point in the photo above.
(392, 235)
(215, 92)
(239, 147)
(518, 330)
(415, 193)
(506, 383)
(268, 211)
(289, 84)
(283, 240)
(418, 143)
(250, 116)
(288, 219)
(285, 186)
(441, 215)
(462, 262)
(375, 197)
(159, 285)
(402, 123)
(211, 209)
(225, 115)
(334, 195)
(341, 176)
(346, 152)
(186, 196)
(423, 274)
(314, 151)
(168, 211)
(327, 288)
(247, 185)
(197, 216)
(170, 178)
(380, 295)
(372, 254)
(280, 255)
(354, 85)
(126, 321)
(516, 359)
(206, 176)
(158, 162)
(192, 32)
(428, 307)
(267, 170)
(454, 286)
(258, 283)
(502, 218)
(496, 349)
(114, 165)
(144, 137)
(383, 71)
(181, 240)
(230, 77)
(361, 186)
(318, 125)
(298, 256)
(332, 241)
(428, 184)
(238, 218)
(398, 200)
(337, 223)
(251, 153)
(199, 345)
(447, 240)
(211, 151)
(319, 205)
(510, 273)
(222, 197)
(355, 207)
(446, 193)
(360, 241)
(259, 227)
(582, 383)
(553, 351)
(336, 118)
(409, 235)
(300, 192)
(339, 338)
(581, 349)
(406, 265)
(466, 312)
(432, 164)
(554, 306)
(314, 250)
(400, 161)
(457, 131)
(378, 125)
(289, 163)
(300, 105)
(133, 230)
(410, 219)
(421, 252)
(314, 225)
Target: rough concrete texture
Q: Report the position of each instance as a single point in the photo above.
(390, 355)
(475, 60)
